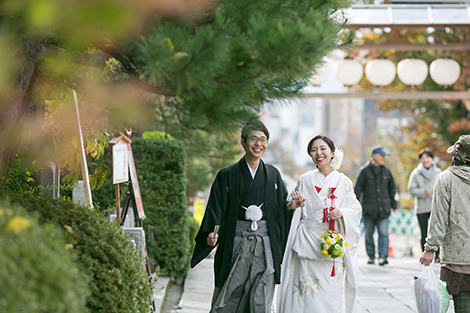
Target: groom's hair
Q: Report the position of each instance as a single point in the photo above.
(254, 125)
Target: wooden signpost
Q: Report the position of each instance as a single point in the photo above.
(135, 184)
(123, 167)
(120, 167)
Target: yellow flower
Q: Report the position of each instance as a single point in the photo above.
(18, 223)
(69, 246)
(341, 255)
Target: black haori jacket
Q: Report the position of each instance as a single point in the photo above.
(227, 194)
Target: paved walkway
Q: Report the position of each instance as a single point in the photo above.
(382, 289)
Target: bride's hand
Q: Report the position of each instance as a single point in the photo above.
(298, 200)
(335, 214)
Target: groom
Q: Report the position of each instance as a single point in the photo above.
(250, 242)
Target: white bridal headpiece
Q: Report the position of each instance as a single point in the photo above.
(337, 159)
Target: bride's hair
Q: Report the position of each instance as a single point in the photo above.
(328, 141)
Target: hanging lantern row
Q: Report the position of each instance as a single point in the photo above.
(382, 72)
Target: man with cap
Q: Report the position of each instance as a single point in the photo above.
(375, 189)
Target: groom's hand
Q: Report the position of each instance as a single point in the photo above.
(212, 240)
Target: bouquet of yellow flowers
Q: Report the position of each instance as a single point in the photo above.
(332, 244)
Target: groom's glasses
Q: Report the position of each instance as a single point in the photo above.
(254, 139)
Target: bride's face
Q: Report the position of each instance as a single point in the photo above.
(321, 153)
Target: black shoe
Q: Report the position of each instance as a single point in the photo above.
(371, 261)
(383, 261)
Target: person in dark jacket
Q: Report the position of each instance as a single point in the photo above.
(375, 189)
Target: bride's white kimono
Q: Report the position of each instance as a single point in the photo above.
(306, 281)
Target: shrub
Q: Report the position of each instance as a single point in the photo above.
(118, 281)
(19, 175)
(161, 170)
(37, 273)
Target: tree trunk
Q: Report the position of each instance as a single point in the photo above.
(19, 106)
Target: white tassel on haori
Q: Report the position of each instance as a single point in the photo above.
(254, 214)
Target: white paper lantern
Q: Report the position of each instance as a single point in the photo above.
(412, 71)
(380, 72)
(444, 71)
(349, 72)
(321, 75)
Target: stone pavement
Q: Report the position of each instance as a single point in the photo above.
(382, 289)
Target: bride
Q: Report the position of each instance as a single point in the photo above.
(311, 281)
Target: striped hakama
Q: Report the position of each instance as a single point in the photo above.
(249, 287)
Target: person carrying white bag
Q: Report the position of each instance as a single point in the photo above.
(449, 226)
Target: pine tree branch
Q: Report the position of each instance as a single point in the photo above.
(161, 90)
(194, 57)
(115, 52)
(97, 60)
(240, 82)
(187, 126)
(130, 69)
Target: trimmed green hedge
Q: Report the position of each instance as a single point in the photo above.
(161, 170)
(118, 281)
(170, 230)
(37, 273)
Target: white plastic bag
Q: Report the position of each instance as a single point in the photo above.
(430, 293)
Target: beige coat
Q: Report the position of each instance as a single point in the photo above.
(449, 226)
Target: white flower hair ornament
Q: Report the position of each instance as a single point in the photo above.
(254, 214)
(337, 159)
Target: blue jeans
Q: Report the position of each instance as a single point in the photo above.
(382, 228)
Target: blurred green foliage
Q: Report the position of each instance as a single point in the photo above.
(37, 272)
(116, 277)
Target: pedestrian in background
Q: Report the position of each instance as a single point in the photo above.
(421, 186)
(375, 189)
(449, 226)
